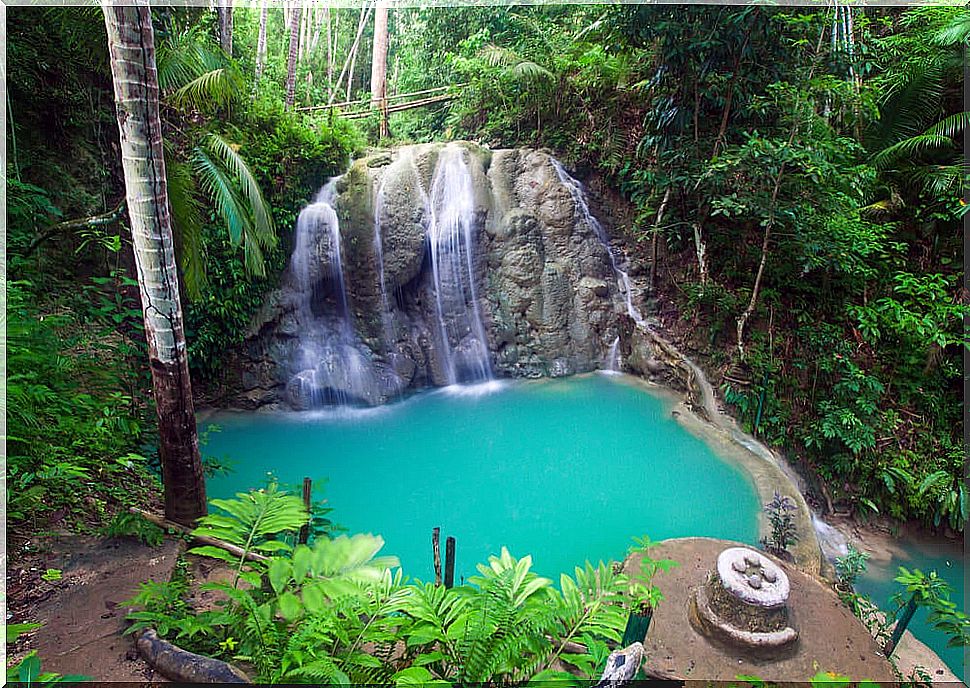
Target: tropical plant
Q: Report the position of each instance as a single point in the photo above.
(928, 591)
(644, 594)
(850, 566)
(195, 76)
(254, 522)
(781, 517)
(334, 611)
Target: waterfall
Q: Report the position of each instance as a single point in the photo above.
(613, 358)
(582, 205)
(329, 367)
(451, 235)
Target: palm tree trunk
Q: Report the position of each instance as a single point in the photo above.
(225, 26)
(132, 51)
(295, 15)
(261, 41)
(378, 65)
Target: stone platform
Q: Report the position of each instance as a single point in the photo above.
(830, 638)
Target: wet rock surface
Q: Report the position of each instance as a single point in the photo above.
(524, 288)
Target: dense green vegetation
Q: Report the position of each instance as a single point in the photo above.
(743, 138)
(333, 611)
(796, 186)
(805, 190)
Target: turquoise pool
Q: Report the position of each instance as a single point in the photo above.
(565, 470)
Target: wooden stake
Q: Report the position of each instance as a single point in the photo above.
(450, 562)
(436, 546)
(305, 530)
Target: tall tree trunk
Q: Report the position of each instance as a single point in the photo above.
(261, 41)
(295, 15)
(225, 26)
(654, 242)
(301, 50)
(329, 54)
(318, 18)
(132, 50)
(378, 65)
(364, 14)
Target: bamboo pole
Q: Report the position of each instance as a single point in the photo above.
(401, 107)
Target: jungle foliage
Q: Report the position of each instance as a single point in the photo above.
(821, 146)
(334, 611)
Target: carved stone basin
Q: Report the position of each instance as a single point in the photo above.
(744, 603)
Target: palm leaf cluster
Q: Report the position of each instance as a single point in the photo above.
(916, 139)
(206, 170)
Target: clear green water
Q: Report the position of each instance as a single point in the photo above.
(948, 562)
(564, 470)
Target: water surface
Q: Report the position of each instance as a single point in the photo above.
(947, 559)
(564, 470)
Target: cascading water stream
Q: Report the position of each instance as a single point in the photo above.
(582, 205)
(329, 367)
(461, 333)
(613, 358)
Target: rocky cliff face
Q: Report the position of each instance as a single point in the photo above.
(441, 247)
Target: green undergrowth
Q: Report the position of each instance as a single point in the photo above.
(336, 611)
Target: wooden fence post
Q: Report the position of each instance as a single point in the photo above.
(436, 546)
(450, 562)
(305, 529)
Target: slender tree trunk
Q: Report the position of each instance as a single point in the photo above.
(700, 247)
(329, 55)
(364, 14)
(351, 58)
(225, 26)
(261, 41)
(317, 25)
(378, 66)
(132, 51)
(770, 221)
(301, 51)
(294, 49)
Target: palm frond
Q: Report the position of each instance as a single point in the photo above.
(183, 57)
(187, 223)
(514, 64)
(957, 32)
(217, 87)
(263, 229)
(950, 126)
(217, 185)
(912, 146)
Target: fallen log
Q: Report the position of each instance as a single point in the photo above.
(183, 666)
(163, 522)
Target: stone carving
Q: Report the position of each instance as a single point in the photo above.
(745, 603)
